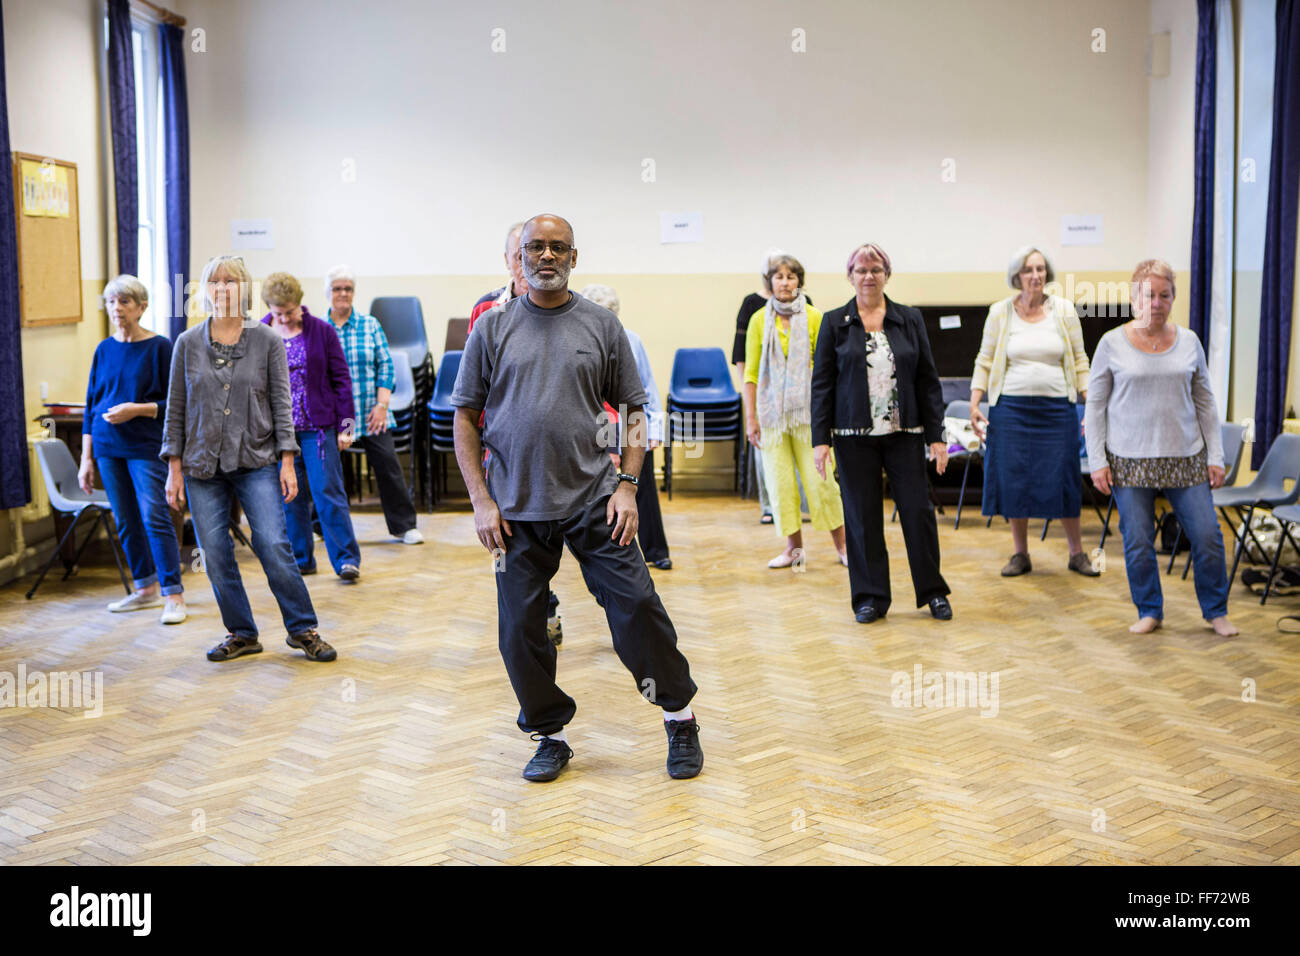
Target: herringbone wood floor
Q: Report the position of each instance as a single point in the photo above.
(1105, 747)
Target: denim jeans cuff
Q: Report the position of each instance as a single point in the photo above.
(141, 583)
(171, 589)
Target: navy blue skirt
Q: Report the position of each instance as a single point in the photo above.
(1031, 462)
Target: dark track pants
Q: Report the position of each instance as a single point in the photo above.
(643, 635)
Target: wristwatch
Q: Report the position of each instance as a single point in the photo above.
(625, 477)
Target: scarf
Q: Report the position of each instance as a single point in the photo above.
(785, 381)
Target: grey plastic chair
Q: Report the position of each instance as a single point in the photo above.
(1233, 437)
(961, 409)
(60, 473)
(1268, 490)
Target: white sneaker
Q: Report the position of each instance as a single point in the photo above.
(413, 537)
(136, 602)
(173, 613)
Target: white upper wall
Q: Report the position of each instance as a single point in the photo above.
(812, 151)
(1171, 138)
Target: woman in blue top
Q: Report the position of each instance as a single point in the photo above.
(122, 434)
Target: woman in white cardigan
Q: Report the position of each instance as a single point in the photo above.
(1033, 366)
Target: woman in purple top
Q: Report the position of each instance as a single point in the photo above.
(321, 389)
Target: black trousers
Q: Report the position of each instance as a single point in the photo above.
(644, 638)
(399, 511)
(902, 457)
(654, 544)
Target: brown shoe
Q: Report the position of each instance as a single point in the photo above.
(1019, 564)
(1080, 563)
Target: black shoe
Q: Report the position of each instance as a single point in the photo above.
(550, 760)
(940, 608)
(685, 758)
(349, 572)
(310, 643)
(868, 613)
(663, 564)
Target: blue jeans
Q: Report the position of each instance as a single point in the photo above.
(258, 492)
(320, 479)
(1194, 508)
(144, 522)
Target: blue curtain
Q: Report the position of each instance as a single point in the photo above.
(1202, 264)
(14, 487)
(176, 152)
(1279, 234)
(121, 103)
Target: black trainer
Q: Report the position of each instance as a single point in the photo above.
(310, 643)
(685, 758)
(550, 760)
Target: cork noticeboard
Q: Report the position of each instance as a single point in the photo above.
(49, 240)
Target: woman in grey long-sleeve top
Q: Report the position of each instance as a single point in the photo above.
(1152, 425)
(229, 436)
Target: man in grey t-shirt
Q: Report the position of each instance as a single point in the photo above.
(540, 368)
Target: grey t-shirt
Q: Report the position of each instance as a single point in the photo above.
(541, 376)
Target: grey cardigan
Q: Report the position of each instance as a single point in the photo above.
(227, 414)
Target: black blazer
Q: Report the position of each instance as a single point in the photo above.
(839, 380)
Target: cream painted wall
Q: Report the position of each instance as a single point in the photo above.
(1171, 159)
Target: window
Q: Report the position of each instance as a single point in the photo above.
(151, 247)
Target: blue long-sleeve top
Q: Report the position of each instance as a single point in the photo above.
(127, 372)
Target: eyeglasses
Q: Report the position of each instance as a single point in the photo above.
(877, 272)
(536, 247)
(341, 288)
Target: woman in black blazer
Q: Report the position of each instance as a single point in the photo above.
(876, 395)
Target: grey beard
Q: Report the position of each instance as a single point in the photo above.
(553, 284)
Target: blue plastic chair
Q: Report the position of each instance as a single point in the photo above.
(402, 319)
(701, 380)
(961, 409)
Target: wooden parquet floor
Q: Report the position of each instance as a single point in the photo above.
(1104, 747)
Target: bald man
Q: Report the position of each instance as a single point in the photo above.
(542, 366)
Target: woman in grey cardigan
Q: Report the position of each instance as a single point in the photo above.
(1152, 425)
(229, 436)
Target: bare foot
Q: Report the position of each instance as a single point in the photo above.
(1223, 627)
(1145, 625)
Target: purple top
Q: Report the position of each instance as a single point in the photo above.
(295, 349)
(322, 391)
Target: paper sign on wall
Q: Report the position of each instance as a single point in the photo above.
(950, 322)
(681, 227)
(1081, 231)
(251, 234)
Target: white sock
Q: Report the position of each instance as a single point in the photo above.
(559, 736)
(683, 714)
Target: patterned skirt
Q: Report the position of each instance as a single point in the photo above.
(1185, 472)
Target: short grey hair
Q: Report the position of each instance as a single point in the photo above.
(766, 268)
(516, 230)
(339, 272)
(234, 265)
(1018, 263)
(602, 295)
(126, 286)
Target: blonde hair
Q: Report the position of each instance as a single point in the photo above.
(126, 286)
(1154, 267)
(281, 289)
(233, 266)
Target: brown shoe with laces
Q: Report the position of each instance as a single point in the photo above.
(1019, 564)
(310, 643)
(1080, 564)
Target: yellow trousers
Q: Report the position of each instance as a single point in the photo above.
(781, 455)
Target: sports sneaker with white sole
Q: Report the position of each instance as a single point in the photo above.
(136, 602)
(413, 537)
(173, 613)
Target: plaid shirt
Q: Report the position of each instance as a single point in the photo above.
(371, 364)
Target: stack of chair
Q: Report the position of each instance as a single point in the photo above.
(702, 406)
(403, 322)
(441, 415)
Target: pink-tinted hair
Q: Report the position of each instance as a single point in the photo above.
(869, 249)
